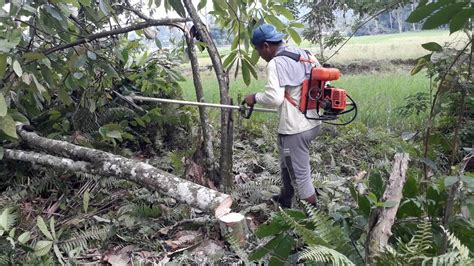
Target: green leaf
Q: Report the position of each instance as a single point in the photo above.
(85, 200)
(423, 11)
(275, 22)
(250, 66)
(3, 106)
(64, 96)
(410, 189)
(296, 25)
(53, 228)
(443, 16)
(104, 7)
(19, 117)
(25, 237)
(17, 68)
(202, 4)
(43, 227)
(255, 57)
(390, 203)
(109, 70)
(460, 20)
(469, 181)
(432, 46)
(33, 56)
(6, 46)
(114, 134)
(43, 247)
(91, 55)
(245, 72)
(295, 36)
(372, 198)
(80, 61)
(283, 11)
(7, 125)
(282, 251)
(265, 249)
(450, 180)
(53, 12)
(85, 2)
(420, 64)
(158, 44)
(3, 64)
(177, 5)
(229, 60)
(1, 153)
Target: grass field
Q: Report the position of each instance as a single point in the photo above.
(378, 94)
(375, 47)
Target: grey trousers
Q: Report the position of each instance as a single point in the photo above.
(296, 147)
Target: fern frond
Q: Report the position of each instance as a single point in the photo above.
(325, 228)
(459, 255)
(248, 189)
(4, 260)
(308, 236)
(82, 239)
(235, 246)
(116, 114)
(270, 163)
(7, 219)
(146, 211)
(320, 253)
(456, 244)
(420, 242)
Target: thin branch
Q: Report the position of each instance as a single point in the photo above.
(138, 26)
(435, 98)
(37, 29)
(361, 25)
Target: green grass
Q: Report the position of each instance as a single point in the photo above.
(378, 96)
(375, 47)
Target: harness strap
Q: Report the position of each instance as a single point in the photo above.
(298, 58)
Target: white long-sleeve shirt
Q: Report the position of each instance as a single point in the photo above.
(292, 121)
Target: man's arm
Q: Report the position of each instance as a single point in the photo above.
(274, 95)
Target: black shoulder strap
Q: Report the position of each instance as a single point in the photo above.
(291, 55)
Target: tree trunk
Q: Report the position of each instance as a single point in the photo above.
(413, 25)
(203, 114)
(383, 219)
(222, 79)
(399, 13)
(390, 19)
(107, 164)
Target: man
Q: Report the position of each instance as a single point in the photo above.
(295, 132)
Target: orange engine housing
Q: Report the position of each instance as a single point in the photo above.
(338, 98)
(319, 77)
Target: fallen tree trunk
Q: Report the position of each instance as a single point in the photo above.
(380, 232)
(106, 164)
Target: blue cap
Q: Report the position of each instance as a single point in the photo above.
(266, 33)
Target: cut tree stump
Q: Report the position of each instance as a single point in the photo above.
(234, 225)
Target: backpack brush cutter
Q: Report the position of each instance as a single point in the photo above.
(316, 94)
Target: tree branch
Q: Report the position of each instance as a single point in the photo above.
(138, 26)
(361, 25)
(107, 164)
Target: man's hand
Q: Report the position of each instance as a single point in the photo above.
(250, 99)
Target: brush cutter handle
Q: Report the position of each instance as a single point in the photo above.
(245, 110)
